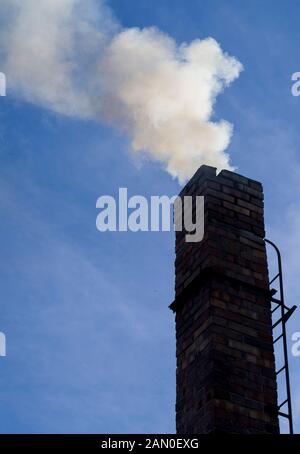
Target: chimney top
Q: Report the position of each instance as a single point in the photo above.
(206, 172)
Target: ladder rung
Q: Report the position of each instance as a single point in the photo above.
(283, 403)
(280, 370)
(274, 310)
(284, 415)
(277, 301)
(277, 323)
(277, 338)
(274, 278)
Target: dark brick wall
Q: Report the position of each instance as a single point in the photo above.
(225, 361)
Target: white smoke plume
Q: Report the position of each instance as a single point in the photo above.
(73, 57)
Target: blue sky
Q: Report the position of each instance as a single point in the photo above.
(90, 338)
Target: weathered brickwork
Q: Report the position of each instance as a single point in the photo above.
(226, 378)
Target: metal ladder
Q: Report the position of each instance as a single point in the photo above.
(285, 314)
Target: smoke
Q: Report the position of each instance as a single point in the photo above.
(73, 57)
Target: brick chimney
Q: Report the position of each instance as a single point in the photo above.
(226, 379)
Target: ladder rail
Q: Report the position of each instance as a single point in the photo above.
(283, 320)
